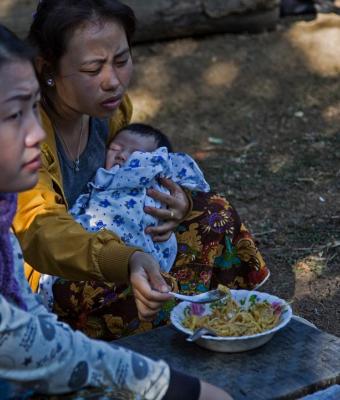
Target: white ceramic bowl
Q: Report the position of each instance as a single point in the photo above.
(233, 344)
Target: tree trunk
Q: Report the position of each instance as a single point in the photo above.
(162, 19)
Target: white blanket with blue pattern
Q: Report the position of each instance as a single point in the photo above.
(117, 198)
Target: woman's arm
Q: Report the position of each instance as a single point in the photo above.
(55, 244)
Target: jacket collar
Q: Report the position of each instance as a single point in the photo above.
(49, 147)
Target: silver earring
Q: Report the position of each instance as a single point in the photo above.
(50, 82)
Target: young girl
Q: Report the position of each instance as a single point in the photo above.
(38, 354)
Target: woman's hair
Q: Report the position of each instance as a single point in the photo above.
(55, 21)
(12, 48)
(146, 130)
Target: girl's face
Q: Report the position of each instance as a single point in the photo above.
(20, 130)
(95, 71)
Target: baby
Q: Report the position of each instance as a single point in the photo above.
(137, 157)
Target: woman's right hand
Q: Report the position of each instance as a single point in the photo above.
(149, 288)
(211, 392)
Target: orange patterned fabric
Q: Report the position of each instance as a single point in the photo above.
(214, 247)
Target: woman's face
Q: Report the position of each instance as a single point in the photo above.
(95, 71)
(20, 130)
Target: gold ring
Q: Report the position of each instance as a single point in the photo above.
(171, 214)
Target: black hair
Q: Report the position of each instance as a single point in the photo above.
(12, 48)
(146, 130)
(55, 21)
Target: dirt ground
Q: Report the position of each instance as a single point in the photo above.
(261, 114)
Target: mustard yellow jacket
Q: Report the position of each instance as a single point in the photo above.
(52, 242)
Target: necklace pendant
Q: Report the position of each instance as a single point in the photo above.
(76, 166)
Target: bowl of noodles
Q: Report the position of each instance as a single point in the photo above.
(242, 321)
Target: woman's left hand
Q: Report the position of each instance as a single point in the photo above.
(177, 208)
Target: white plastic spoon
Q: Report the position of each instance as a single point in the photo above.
(206, 297)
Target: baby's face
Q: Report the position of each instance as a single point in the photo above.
(124, 144)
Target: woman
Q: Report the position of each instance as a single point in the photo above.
(84, 67)
(37, 353)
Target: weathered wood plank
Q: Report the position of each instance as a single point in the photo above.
(331, 393)
(297, 361)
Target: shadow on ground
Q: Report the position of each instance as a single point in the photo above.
(261, 113)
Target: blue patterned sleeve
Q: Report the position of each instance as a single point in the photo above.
(186, 172)
(40, 353)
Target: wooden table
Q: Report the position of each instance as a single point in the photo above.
(299, 360)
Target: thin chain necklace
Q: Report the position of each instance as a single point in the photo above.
(76, 161)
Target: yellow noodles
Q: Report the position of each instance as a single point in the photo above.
(229, 319)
